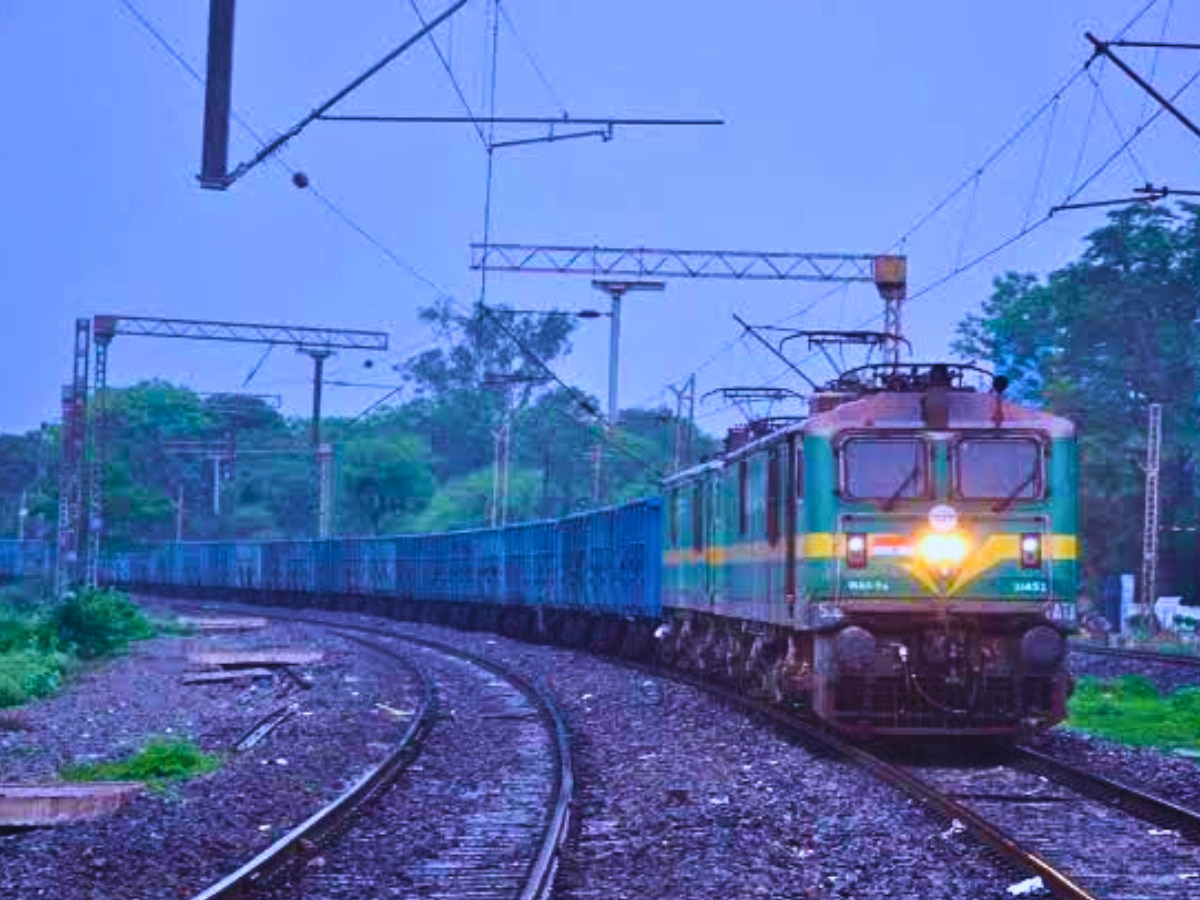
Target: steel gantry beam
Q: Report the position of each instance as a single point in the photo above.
(889, 274)
(644, 262)
(241, 332)
(317, 343)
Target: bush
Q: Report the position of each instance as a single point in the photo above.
(29, 674)
(159, 760)
(99, 623)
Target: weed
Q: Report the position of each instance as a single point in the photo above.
(28, 674)
(96, 624)
(160, 760)
(1131, 710)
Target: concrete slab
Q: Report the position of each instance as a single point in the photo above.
(38, 805)
(210, 623)
(229, 659)
(226, 675)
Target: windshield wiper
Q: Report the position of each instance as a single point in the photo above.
(1007, 501)
(891, 501)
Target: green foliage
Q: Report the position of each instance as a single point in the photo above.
(28, 674)
(161, 760)
(424, 464)
(383, 481)
(97, 624)
(1097, 341)
(1132, 711)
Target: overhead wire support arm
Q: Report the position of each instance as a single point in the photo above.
(519, 120)
(1103, 48)
(1154, 45)
(1147, 194)
(274, 146)
(778, 354)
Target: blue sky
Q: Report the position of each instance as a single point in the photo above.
(847, 122)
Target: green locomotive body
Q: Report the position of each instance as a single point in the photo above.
(903, 562)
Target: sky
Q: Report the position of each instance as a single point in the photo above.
(846, 124)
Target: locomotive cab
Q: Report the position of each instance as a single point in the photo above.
(940, 560)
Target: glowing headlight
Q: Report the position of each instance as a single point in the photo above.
(943, 550)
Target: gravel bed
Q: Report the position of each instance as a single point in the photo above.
(175, 841)
(1167, 677)
(1167, 775)
(679, 796)
(466, 818)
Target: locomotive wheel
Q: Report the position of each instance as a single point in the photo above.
(636, 644)
(574, 630)
(606, 636)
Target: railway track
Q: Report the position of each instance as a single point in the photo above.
(498, 835)
(1085, 836)
(1169, 659)
(1082, 835)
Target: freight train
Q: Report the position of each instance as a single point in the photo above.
(900, 562)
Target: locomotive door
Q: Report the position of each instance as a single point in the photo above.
(703, 540)
(792, 492)
(712, 566)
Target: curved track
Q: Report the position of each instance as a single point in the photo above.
(1084, 836)
(1099, 838)
(498, 837)
(1169, 659)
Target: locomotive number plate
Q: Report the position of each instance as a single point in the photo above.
(1030, 587)
(868, 585)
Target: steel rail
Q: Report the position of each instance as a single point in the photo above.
(1175, 659)
(994, 837)
(1113, 793)
(539, 881)
(299, 843)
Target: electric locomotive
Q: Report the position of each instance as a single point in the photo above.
(903, 561)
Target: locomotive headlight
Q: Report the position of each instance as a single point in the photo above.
(945, 550)
(1031, 551)
(856, 551)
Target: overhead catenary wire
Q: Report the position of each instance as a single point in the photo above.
(1112, 120)
(512, 28)
(462, 99)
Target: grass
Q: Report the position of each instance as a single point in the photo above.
(1132, 711)
(159, 761)
(41, 642)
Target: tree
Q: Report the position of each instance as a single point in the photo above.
(383, 481)
(1098, 341)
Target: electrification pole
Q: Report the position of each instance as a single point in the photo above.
(1150, 531)
(683, 430)
(317, 343)
(616, 291)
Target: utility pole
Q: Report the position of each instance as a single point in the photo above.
(616, 290)
(322, 457)
(503, 434)
(1150, 531)
(72, 462)
(683, 431)
(179, 515)
(317, 343)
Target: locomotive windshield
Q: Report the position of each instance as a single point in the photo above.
(892, 469)
(999, 469)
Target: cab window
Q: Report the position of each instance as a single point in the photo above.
(884, 468)
(999, 469)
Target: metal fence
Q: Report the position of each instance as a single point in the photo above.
(607, 560)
